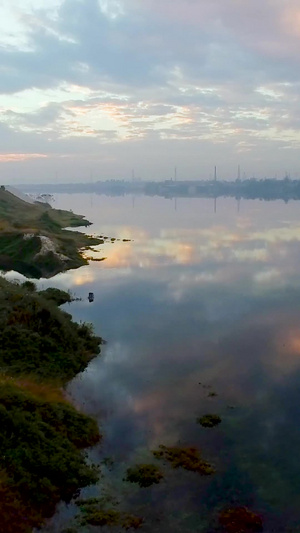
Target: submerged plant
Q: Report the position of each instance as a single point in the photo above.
(209, 421)
(100, 517)
(187, 458)
(144, 474)
(240, 520)
(96, 516)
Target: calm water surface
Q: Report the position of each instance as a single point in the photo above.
(198, 302)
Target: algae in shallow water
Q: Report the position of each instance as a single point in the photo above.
(96, 516)
(186, 457)
(209, 421)
(144, 474)
(240, 520)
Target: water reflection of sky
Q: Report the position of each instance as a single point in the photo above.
(197, 302)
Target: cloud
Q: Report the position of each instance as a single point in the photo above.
(77, 75)
(6, 158)
(209, 41)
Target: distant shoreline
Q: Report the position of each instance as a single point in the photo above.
(252, 189)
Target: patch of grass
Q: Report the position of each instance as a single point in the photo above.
(55, 295)
(18, 218)
(209, 421)
(14, 246)
(38, 338)
(187, 458)
(41, 433)
(144, 474)
(49, 392)
(40, 446)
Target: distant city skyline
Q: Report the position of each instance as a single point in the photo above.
(122, 89)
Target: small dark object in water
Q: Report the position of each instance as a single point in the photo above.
(209, 421)
(91, 297)
(240, 520)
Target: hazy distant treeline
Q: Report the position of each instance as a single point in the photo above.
(264, 189)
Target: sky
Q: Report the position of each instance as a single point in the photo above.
(111, 89)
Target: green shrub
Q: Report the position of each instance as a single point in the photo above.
(56, 295)
(39, 448)
(37, 337)
(41, 434)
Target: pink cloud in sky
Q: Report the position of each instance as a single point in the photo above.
(7, 158)
(270, 27)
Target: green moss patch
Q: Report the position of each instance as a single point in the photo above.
(187, 458)
(144, 474)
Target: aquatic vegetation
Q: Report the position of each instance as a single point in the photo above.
(209, 421)
(96, 516)
(97, 259)
(108, 462)
(106, 499)
(144, 474)
(130, 521)
(188, 458)
(100, 517)
(87, 501)
(240, 520)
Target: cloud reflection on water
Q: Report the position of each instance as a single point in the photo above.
(198, 303)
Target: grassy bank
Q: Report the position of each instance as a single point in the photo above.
(42, 435)
(33, 240)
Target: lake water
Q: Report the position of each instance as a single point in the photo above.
(201, 314)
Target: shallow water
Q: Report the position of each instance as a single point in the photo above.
(198, 302)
